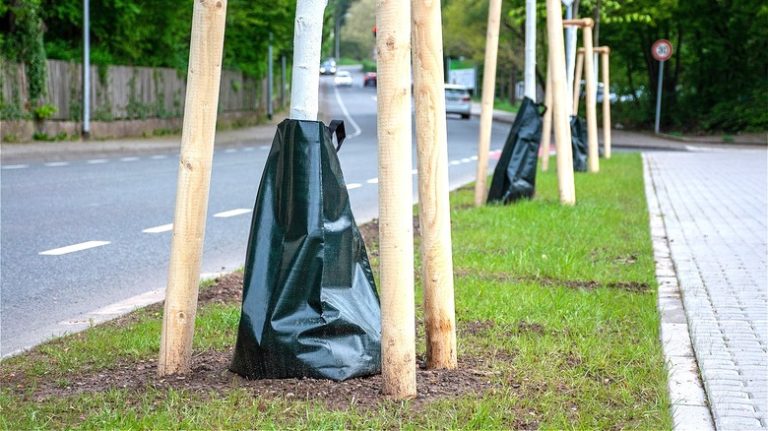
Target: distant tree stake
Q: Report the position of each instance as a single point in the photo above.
(434, 205)
(560, 108)
(546, 127)
(593, 160)
(489, 90)
(194, 180)
(398, 329)
(604, 54)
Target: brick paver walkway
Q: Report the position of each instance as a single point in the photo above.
(714, 208)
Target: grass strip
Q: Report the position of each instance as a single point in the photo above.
(557, 329)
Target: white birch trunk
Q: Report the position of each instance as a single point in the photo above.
(307, 41)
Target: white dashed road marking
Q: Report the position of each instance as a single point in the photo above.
(414, 171)
(455, 162)
(232, 213)
(473, 158)
(158, 157)
(73, 248)
(353, 186)
(129, 159)
(466, 160)
(96, 161)
(159, 229)
(56, 164)
(230, 150)
(373, 181)
(15, 166)
(248, 149)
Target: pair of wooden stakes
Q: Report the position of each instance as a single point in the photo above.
(584, 63)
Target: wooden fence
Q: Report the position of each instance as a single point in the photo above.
(122, 92)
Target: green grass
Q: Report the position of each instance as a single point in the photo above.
(569, 357)
(505, 105)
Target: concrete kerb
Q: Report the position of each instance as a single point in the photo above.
(690, 410)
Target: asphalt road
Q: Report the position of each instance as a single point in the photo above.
(84, 233)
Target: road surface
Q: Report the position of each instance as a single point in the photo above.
(81, 234)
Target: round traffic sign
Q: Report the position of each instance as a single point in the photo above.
(661, 50)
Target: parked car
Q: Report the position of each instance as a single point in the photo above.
(369, 80)
(343, 79)
(457, 100)
(328, 67)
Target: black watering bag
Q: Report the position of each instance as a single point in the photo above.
(310, 307)
(579, 144)
(515, 175)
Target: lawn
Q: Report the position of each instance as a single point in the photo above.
(557, 328)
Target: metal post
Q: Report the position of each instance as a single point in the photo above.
(570, 48)
(658, 96)
(530, 49)
(270, 80)
(86, 71)
(336, 33)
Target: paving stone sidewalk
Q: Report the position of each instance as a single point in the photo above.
(714, 206)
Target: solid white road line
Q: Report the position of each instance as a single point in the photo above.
(15, 166)
(350, 120)
(56, 164)
(159, 229)
(373, 181)
(73, 248)
(96, 161)
(352, 186)
(129, 159)
(232, 213)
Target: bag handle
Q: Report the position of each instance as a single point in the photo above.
(337, 128)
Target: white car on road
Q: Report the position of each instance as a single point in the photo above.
(343, 79)
(457, 100)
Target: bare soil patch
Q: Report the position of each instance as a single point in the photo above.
(630, 286)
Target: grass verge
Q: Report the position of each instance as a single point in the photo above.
(557, 328)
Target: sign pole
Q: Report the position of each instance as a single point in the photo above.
(194, 179)
(434, 204)
(86, 71)
(489, 90)
(658, 96)
(398, 328)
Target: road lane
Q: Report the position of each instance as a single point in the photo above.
(128, 200)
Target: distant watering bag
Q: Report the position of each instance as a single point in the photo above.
(515, 174)
(310, 307)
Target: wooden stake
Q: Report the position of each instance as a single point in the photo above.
(434, 205)
(593, 159)
(605, 52)
(489, 90)
(546, 127)
(307, 43)
(398, 331)
(577, 82)
(194, 179)
(560, 111)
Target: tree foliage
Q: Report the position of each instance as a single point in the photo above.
(717, 78)
(153, 32)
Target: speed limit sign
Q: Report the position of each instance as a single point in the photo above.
(661, 50)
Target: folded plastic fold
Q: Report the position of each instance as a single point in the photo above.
(579, 143)
(515, 174)
(310, 307)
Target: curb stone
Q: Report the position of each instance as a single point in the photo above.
(690, 410)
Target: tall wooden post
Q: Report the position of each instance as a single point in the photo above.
(593, 159)
(546, 127)
(577, 81)
(398, 331)
(198, 132)
(604, 53)
(434, 205)
(489, 87)
(560, 107)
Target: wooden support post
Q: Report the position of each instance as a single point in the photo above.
(577, 82)
(194, 178)
(593, 158)
(434, 204)
(604, 53)
(398, 330)
(489, 90)
(546, 127)
(560, 112)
